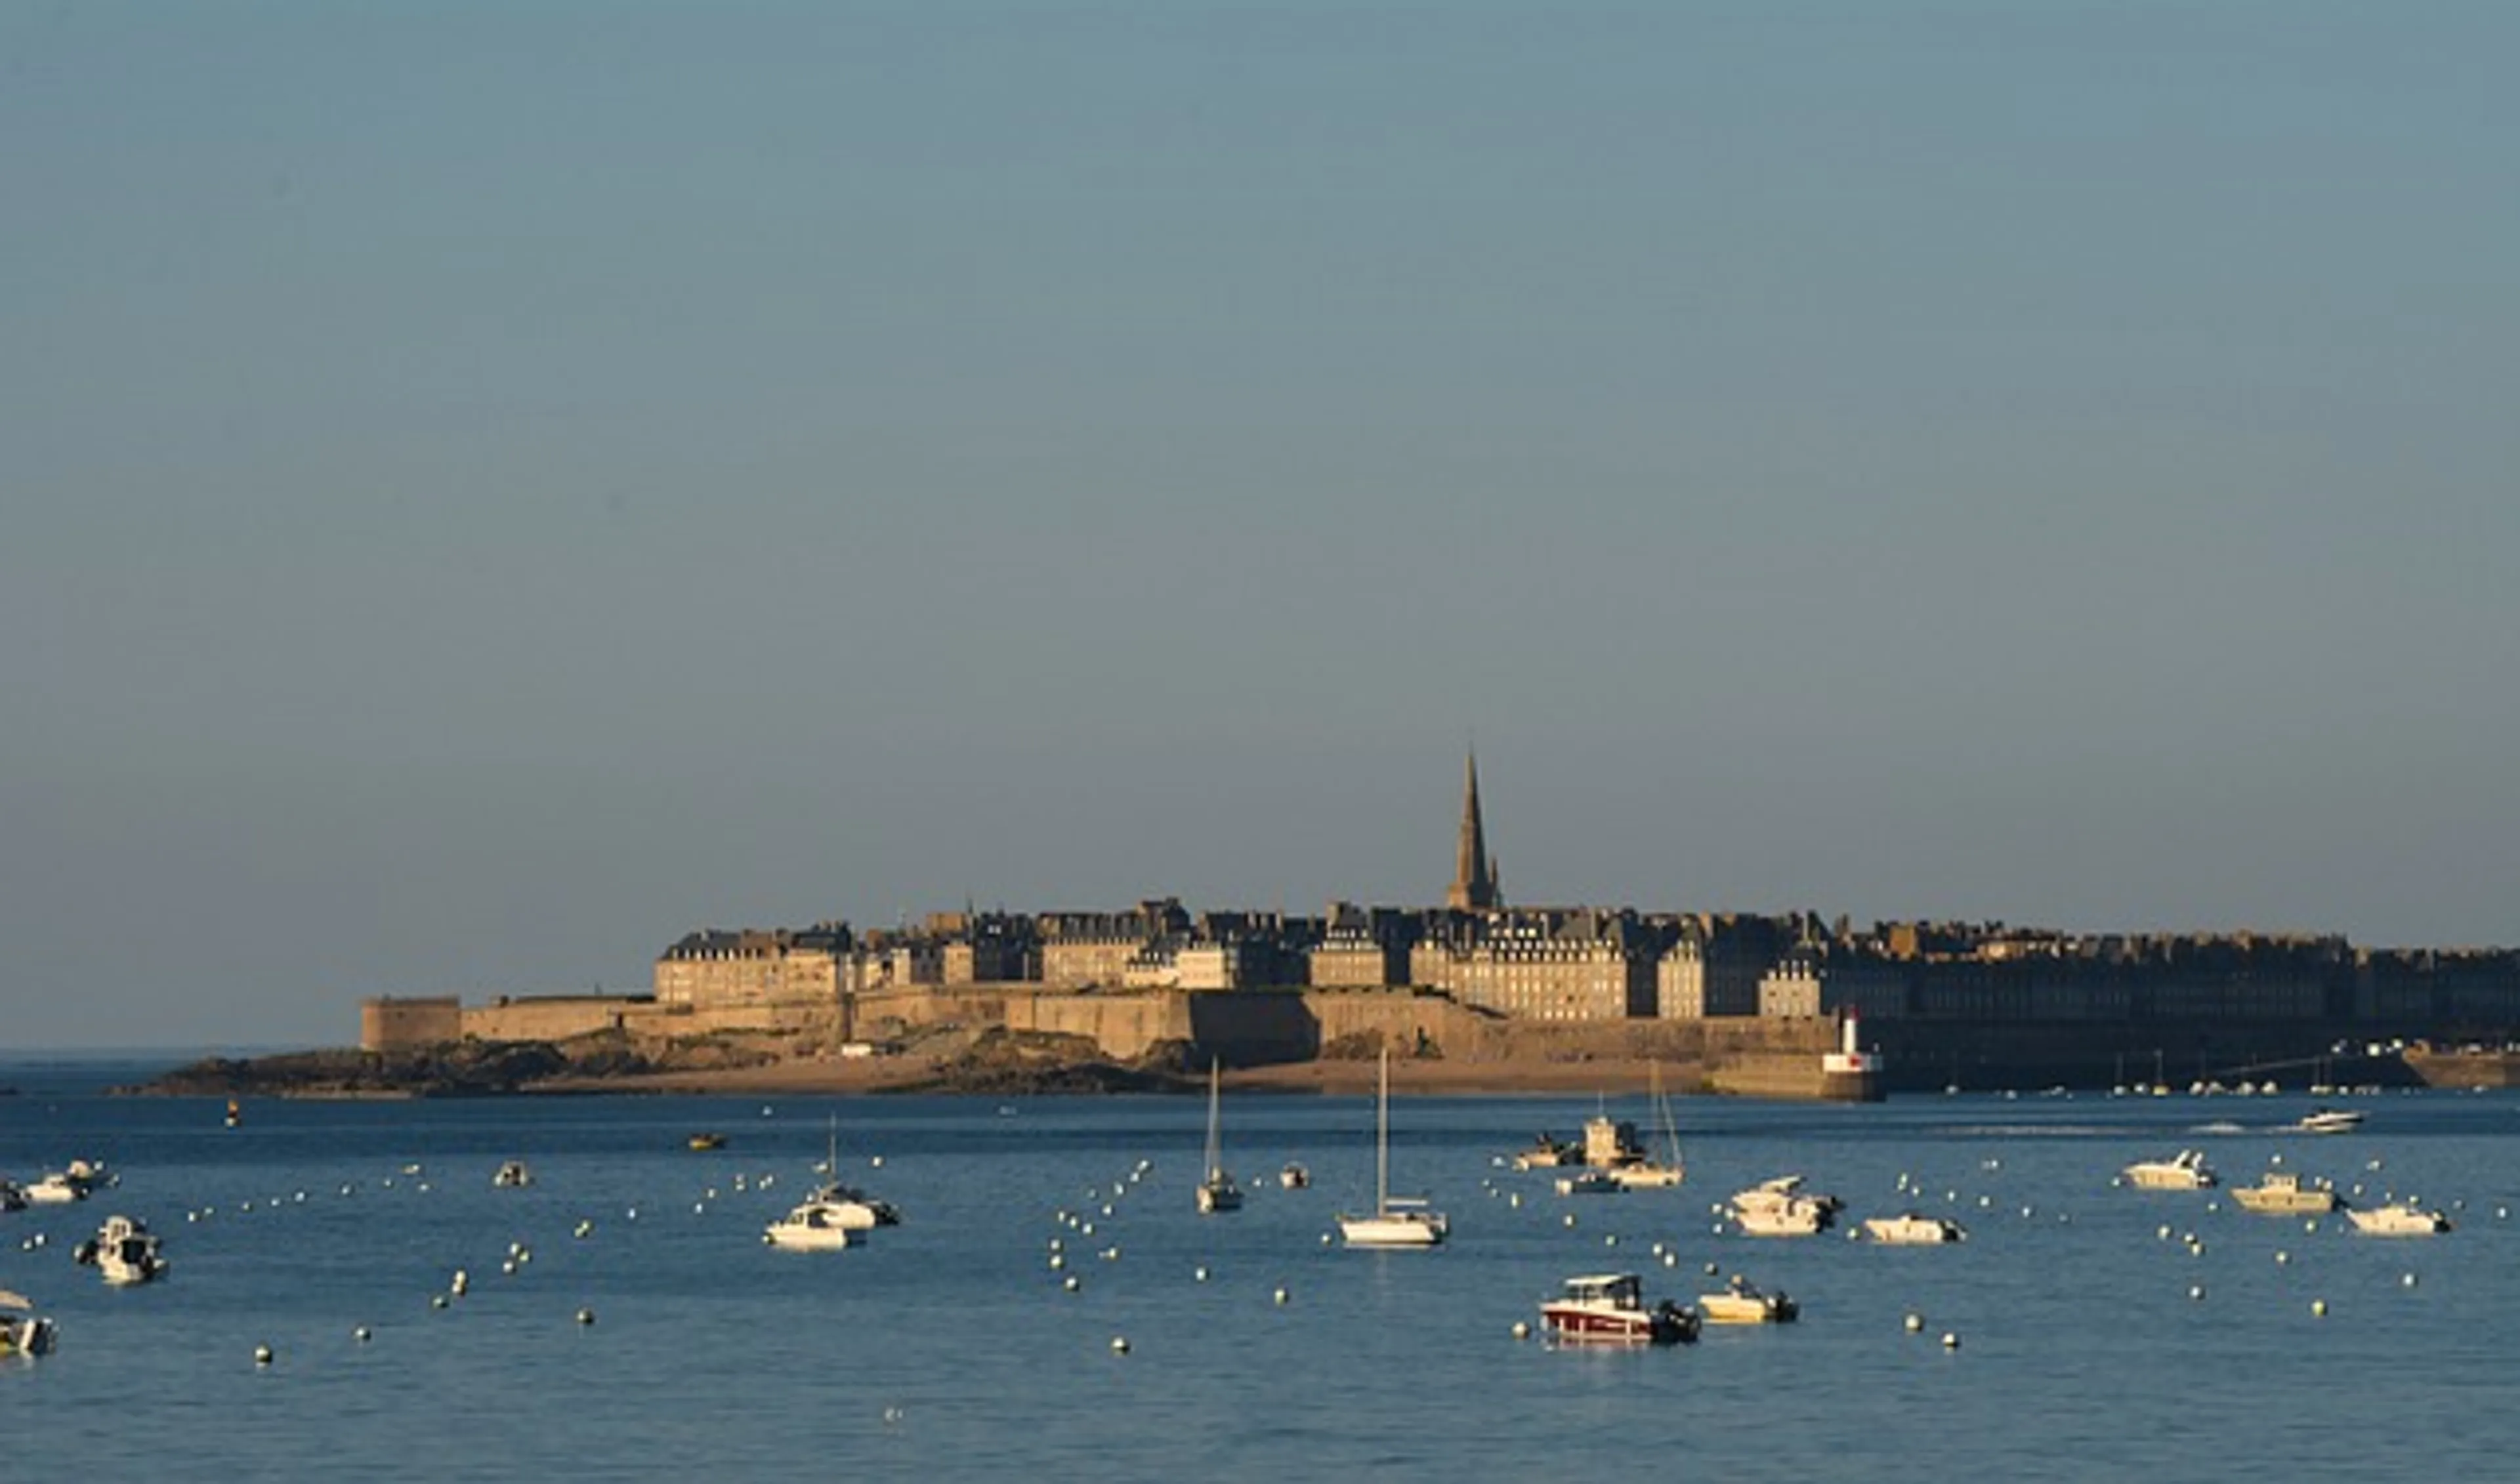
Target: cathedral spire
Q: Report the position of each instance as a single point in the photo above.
(1474, 876)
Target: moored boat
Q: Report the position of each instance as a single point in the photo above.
(1610, 1309)
(2185, 1170)
(1914, 1229)
(55, 1189)
(1591, 1183)
(2283, 1194)
(815, 1226)
(2398, 1219)
(123, 1251)
(1396, 1221)
(513, 1175)
(843, 1204)
(702, 1144)
(1742, 1302)
(1548, 1153)
(23, 1331)
(1217, 1190)
(1780, 1207)
(1294, 1177)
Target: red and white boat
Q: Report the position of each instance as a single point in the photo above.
(1609, 1309)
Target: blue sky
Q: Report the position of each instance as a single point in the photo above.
(488, 487)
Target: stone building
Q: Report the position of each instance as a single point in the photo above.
(1078, 949)
(1364, 947)
(716, 970)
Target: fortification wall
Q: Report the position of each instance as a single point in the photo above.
(556, 1019)
(391, 1024)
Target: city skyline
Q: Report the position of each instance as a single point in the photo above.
(493, 488)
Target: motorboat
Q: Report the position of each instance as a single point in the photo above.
(2185, 1170)
(1780, 1207)
(702, 1144)
(2329, 1120)
(2398, 1219)
(512, 1176)
(1294, 1177)
(1742, 1302)
(1591, 1183)
(1609, 1142)
(1548, 1153)
(816, 1226)
(1217, 1190)
(13, 1197)
(23, 1331)
(1396, 1221)
(123, 1251)
(1609, 1309)
(2281, 1194)
(56, 1189)
(1914, 1229)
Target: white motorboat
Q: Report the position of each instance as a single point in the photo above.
(1397, 1221)
(2397, 1219)
(2329, 1120)
(1217, 1190)
(1914, 1230)
(1780, 1207)
(817, 1226)
(1548, 1153)
(123, 1251)
(23, 1331)
(1591, 1183)
(56, 1189)
(512, 1176)
(1294, 1177)
(1610, 1309)
(1743, 1303)
(2185, 1170)
(2281, 1194)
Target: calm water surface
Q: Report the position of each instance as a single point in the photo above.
(948, 1348)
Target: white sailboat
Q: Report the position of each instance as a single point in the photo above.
(1648, 1174)
(1217, 1190)
(1397, 1221)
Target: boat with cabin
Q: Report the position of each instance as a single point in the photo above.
(1744, 1302)
(844, 1204)
(1217, 1190)
(1293, 1177)
(2279, 1193)
(1780, 1207)
(123, 1251)
(23, 1331)
(2329, 1120)
(1397, 1221)
(815, 1226)
(1548, 1153)
(1609, 1309)
(1591, 1183)
(2185, 1170)
(2401, 1218)
(56, 1189)
(1914, 1229)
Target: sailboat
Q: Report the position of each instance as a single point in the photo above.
(1648, 1174)
(1217, 1190)
(1397, 1221)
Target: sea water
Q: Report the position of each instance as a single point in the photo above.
(950, 1347)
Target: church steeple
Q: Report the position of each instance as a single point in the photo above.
(1475, 873)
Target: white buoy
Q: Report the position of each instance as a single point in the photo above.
(461, 1281)
(1199, 1273)
(2163, 1233)
(1057, 1261)
(1072, 1286)
(2409, 1279)
(1951, 1340)
(1120, 1344)
(1670, 1259)
(1325, 1238)
(263, 1355)
(1570, 1219)
(2282, 1257)
(1712, 1269)
(1610, 1241)
(892, 1414)
(1521, 1330)
(877, 1161)
(586, 1315)
(1916, 1324)
(508, 1268)
(1279, 1296)
(437, 1301)
(2319, 1307)
(2196, 1291)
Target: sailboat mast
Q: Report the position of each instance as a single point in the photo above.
(1382, 1139)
